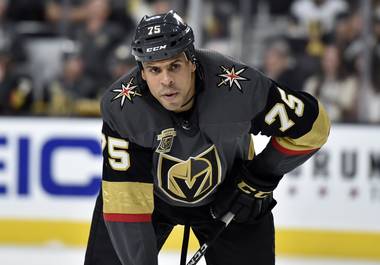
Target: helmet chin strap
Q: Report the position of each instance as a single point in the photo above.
(187, 102)
(194, 92)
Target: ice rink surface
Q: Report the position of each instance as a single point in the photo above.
(58, 255)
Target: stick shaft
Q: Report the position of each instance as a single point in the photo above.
(226, 219)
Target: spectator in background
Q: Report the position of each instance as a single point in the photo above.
(5, 27)
(16, 91)
(307, 12)
(354, 41)
(216, 33)
(75, 12)
(374, 104)
(335, 88)
(376, 51)
(97, 39)
(279, 7)
(343, 33)
(9, 39)
(120, 14)
(69, 12)
(160, 6)
(139, 8)
(311, 21)
(72, 92)
(121, 61)
(26, 10)
(278, 66)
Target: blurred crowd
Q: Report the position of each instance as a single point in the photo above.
(58, 56)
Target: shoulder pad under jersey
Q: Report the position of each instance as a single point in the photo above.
(233, 91)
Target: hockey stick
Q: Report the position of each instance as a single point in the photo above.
(226, 219)
(185, 243)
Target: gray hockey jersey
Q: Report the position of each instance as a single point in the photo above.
(183, 158)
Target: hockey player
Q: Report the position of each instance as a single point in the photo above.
(178, 133)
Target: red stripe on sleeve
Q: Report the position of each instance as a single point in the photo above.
(287, 151)
(127, 218)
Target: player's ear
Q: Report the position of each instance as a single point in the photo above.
(143, 74)
(193, 67)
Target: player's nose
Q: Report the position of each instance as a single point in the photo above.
(166, 79)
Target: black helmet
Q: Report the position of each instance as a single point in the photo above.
(161, 37)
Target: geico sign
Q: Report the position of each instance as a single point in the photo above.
(47, 149)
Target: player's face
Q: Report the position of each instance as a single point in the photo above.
(171, 82)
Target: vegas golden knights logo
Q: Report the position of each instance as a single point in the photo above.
(192, 180)
(166, 140)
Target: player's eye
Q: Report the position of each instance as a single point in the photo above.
(174, 67)
(154, 70)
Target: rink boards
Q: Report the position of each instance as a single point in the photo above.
(50, 173)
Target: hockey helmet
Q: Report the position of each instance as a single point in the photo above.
(162, 36)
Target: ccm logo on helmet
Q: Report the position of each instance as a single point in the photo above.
(157, 48)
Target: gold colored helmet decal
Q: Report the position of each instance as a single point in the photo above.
(192, 180)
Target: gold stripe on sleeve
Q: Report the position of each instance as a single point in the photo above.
(314, 139)
(251, 150)
(127, 197)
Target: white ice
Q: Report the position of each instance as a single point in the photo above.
(59, 255)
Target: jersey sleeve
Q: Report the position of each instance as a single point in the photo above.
(298, 126)
(128, 201)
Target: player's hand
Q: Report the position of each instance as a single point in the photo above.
(247, 202)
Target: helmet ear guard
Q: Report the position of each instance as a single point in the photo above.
(162, 36)
(190, 53)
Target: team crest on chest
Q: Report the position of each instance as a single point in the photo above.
(127, 91)
(166, 138)
(231, 77)
(190, 180)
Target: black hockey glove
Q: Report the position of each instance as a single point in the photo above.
(247, 201)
